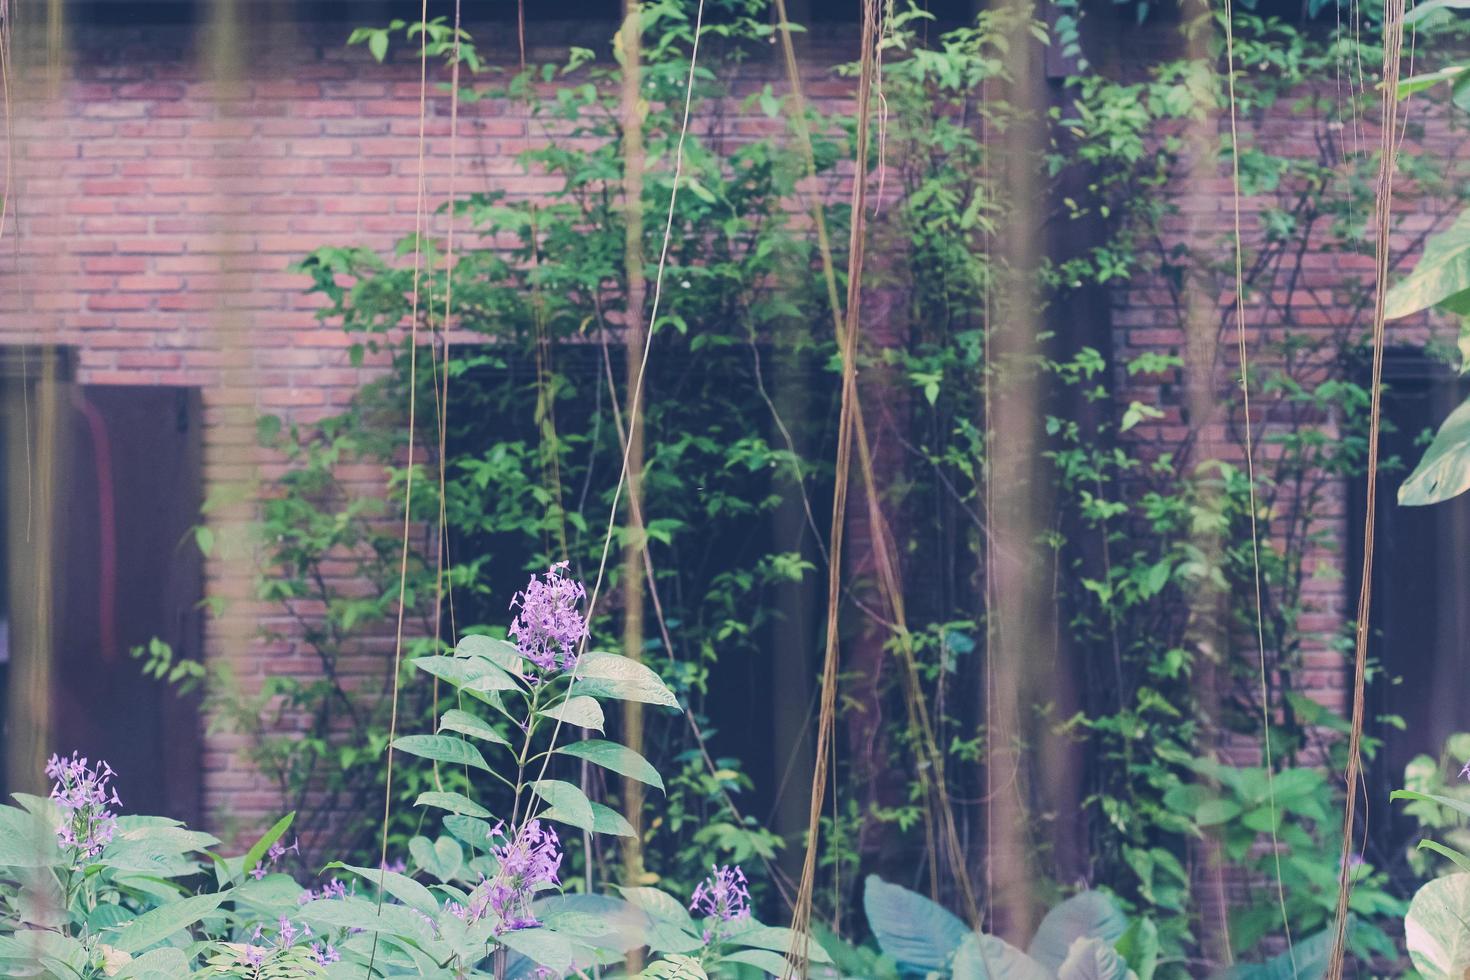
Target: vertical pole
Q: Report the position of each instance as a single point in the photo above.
(632, 113)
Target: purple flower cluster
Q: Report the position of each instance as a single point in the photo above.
(531, 860)
(332, 889)
(86, 798)
(286, 935)
(724, 897)
(273, 856)
(549, 627)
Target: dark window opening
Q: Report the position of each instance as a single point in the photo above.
(1420, 614)
(103, 484)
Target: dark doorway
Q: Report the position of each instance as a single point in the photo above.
(121, 473)
(1421, 606)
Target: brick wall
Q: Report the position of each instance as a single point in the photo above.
(158, 202)
(157, 205)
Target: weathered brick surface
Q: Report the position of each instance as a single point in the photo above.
(156, 210)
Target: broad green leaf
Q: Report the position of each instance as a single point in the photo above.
(614, 676)
(762, 959)
(1444, 469)
(453, 802)
(27, 840)
(619, 758)
(502, 653)
(920, 935)
(442, 748)
(471, 830)
(1460, 858)
(258, 849)
(581, 711)
(1437, 928)
(543, 946)
(659, 904)
(441, 858)
(1086, 915)
(468, 673)
(156, 925)
(567, 803)
(1139, 945)
(378, 45)
(983, 957)
(400, 886)
(167, 963)
(606, 820)
(1306, 960)
(354, 912)
(465, 723)
(1427, 7)
(1441, 277)
(675, 967)
(1460, 806)
(1092, 959)
(778, 939)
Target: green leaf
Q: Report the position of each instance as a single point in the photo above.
(258, 849)
(454, 803)
(378, 45)
(659, 904)
(1444, 470)
(675, 967)
(473, 725)
(1086, 915)
(567, 803)
(1460, 806)
(1460, 858)
(1306, 960)
(1139, 945)
(167, 963)
(1440, 277)
(778, 939)
(1214, 812)
(400, 886)
(613, 676)
(468, 673)
(762, 959)
(442, 858)
(1437, 928)
(157, 925)
(1427, 7)
(581, 711)
(502, 653)
(983, 957)
(606, 820)
(471, 830)
(543, 946)
(920, 935)
(1092, 959)
(619, 758)
(442, 748)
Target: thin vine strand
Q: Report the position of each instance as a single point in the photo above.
(1250, 472)
(413, 327)
(1393, 24)
(798, 953)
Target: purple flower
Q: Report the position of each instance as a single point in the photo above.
(325, 954)
(85, 798)
(723, 897)
(273, 855)
(1465, 772)
(549, 627)
(332, 889)
(531, 860)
